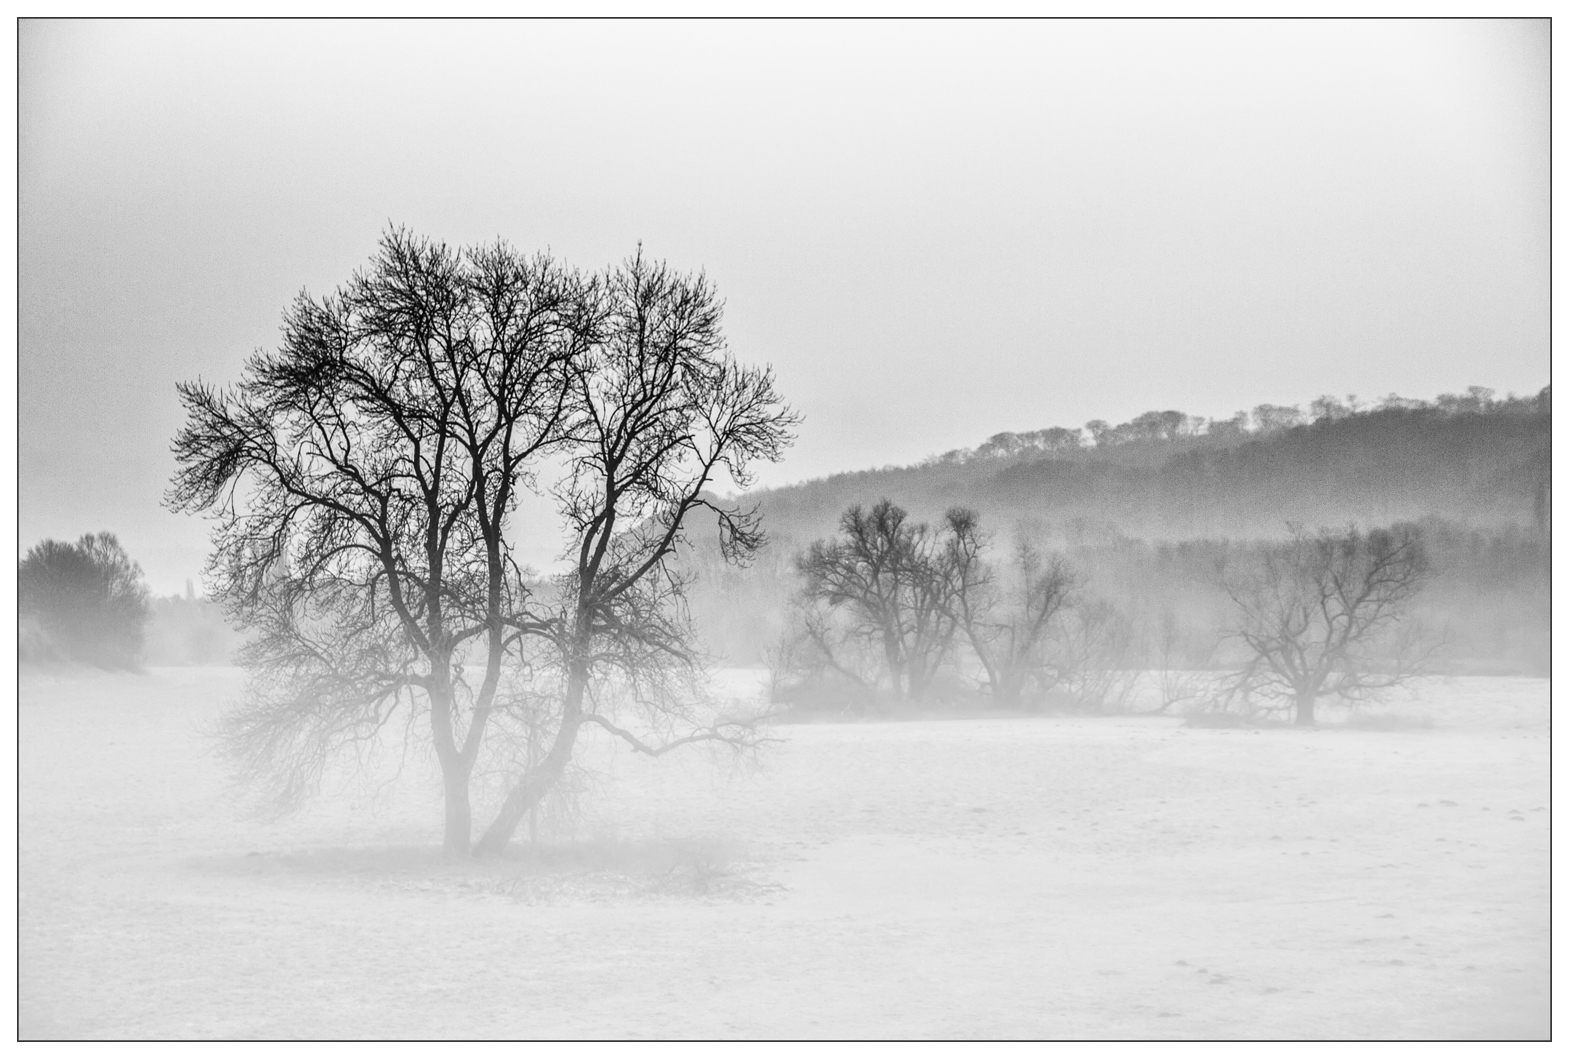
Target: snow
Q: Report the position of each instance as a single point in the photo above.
(998, 878)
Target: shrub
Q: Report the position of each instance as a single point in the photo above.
(81, 603)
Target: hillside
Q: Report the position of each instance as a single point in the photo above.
(1472, 460)
(1473, 470)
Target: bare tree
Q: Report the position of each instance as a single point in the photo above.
(1007, 618)
(362, 480)
(820, 659)
(658, 409)
(890, 581)
(364, 477)
(1320, 614)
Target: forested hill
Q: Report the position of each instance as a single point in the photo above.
(1168, 476)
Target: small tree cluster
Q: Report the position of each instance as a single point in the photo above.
(877, 601)
(893, 610)
(84, 602)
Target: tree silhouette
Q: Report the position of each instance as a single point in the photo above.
(1318, 615)
(364, 479)
(82, 602)
(895, 582)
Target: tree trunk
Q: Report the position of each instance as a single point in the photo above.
(455, 783)
(534, 786)
(527, 794)
(897, 670)
(1305, 709)
(455, 773)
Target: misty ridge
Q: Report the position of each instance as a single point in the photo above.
(1142, 511)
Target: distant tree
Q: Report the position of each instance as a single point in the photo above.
(1320, 615)
(1327, 407)
(1477, 399)
(1146, 427)
(1157, 426)
(83, 602)
(365, 479)
(1007, 617)
(1009, 444)
(1273, 418)
(1395, 401)
(1054, 439)
(893, 580)
(1229, 429)
(1005, 444)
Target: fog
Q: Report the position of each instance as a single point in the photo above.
(783, 530)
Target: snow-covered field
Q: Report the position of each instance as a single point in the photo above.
(1040, 878)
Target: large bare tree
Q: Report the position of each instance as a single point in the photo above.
(1321, 614)
(363, 480)
(660, 412)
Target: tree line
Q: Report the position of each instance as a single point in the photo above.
(1170, 430)
(1474, 458)
(896, 613)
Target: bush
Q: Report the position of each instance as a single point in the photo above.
(82, 603)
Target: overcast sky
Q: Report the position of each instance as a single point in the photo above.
(934, 231)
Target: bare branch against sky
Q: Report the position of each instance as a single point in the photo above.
(933, 231)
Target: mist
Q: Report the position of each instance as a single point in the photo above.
(784, 530)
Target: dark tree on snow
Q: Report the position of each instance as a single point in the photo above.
(657, 409)
(365, 476)
(894, 582)
(1321, 614)
(1007, 617)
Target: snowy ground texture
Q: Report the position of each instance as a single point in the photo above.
(1005, 878)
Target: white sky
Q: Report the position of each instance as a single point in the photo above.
(934, 231)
